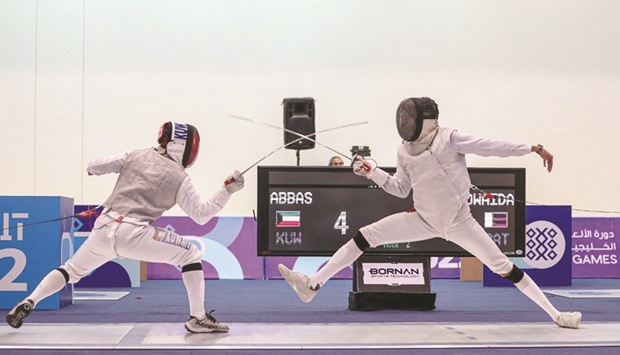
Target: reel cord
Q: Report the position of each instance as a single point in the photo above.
(84, 214)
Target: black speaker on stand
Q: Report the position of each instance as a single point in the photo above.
(299, 117)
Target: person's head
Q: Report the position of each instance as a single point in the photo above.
(416, 117)
(336, 161)
(180, 141)
(417, 122)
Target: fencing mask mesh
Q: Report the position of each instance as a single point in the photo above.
(411, 114)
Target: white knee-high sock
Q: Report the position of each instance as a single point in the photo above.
(531, 290)
(194, 281)
(344, 257)
(53, 282)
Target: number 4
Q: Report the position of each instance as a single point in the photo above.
(341, 223)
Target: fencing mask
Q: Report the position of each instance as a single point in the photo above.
(181, 141)
(416, 121)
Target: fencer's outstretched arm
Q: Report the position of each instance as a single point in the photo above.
(467, 144)
(201, 211)
(106, 165)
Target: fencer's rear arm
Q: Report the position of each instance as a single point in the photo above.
(107, 164)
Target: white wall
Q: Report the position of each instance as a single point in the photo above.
(80, 79)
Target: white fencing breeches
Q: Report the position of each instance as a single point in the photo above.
(110, 239)
(466, 232)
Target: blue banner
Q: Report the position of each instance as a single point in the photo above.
(595, 247)
(37, 237)
(548, 248)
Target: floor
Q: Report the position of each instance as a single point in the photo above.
(253, 336)
(266, 317)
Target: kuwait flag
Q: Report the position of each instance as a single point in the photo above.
(287, 219)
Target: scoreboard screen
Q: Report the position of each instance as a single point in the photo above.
(313, 211)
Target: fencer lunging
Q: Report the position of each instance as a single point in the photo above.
(150, 182)
(431, 162)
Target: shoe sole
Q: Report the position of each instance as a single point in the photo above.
(206, 332)
(16, 319)
(191, 331)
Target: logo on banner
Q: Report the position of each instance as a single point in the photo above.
(545, 244)
(288, 218)
(393, 274)
(496, 220)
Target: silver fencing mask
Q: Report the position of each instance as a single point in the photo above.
(416, 121)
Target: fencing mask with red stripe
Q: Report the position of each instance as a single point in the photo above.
(181, 141)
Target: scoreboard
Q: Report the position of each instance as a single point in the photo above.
(313, 211)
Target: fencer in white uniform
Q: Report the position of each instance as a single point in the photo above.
(431, 162)
(150, 182)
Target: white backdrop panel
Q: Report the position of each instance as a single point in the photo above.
(533, 71)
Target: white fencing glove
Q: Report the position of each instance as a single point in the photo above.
(361, 166)
(234, 182)
(368, 168)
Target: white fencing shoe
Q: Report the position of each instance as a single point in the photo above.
(568, 320)
(299, 282)
(16, 316)
(206, 325)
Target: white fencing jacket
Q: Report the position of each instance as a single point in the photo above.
(439, 177)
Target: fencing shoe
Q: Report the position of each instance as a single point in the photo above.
(206, 325)
(568, 320)
(16, 316)
(299, 282)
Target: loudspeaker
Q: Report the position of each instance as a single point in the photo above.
(299, 117)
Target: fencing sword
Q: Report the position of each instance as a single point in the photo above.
(294, 141)
(84, 214)
(299, 134)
